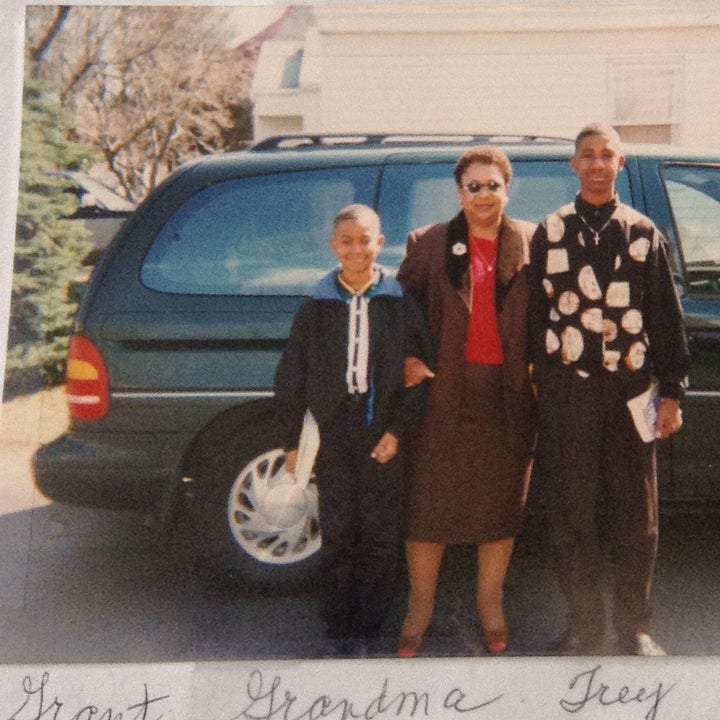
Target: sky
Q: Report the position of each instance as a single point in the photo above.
(251, 19)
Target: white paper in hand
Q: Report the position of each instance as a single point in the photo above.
(643, 409)
(308, 447)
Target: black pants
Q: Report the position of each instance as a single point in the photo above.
(361, 517)
(588, 450)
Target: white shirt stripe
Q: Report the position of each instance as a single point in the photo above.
(358, 345)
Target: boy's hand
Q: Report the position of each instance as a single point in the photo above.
(415, 371)
(386, 449)
(291, 457)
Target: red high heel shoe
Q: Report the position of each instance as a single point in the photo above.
(496, 641)
(409, 646)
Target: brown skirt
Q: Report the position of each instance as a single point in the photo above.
(472, 487)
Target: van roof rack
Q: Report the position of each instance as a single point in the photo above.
(363, 140)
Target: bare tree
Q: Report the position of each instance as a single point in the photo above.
(37, 51)
(148, 87)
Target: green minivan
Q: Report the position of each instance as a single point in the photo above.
(170, 370)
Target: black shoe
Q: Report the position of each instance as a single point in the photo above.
(574, 644)
(343, 647)
(350, 647)
(640, 644)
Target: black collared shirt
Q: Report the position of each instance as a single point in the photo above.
(601, 255)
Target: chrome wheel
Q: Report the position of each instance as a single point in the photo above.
(271, 517)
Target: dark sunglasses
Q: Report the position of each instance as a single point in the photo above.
(475, 187)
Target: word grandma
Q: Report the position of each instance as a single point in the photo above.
(587, 689)
(268, 701)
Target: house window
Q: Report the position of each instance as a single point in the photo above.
(291, 71)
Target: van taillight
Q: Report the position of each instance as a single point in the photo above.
(88, 394)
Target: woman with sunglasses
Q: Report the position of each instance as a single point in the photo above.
(470, 462)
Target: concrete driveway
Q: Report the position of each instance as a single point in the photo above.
(79, 585)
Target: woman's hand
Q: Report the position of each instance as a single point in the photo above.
(415, 371)
(291, 457)
(386, 449)
(669, 418)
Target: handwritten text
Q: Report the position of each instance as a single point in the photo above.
(267, 700)
(36, 705)
(589, 689)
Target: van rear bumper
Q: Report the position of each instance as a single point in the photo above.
(100, 472)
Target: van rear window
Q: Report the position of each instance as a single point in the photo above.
(261, 235)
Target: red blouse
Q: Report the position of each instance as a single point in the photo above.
(483, 341)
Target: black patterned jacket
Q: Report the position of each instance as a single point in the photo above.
(608, 305)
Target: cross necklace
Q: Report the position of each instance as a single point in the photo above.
(595, 233)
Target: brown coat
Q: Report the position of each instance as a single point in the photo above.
(426, 272)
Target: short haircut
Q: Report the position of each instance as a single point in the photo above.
(485, 155)
(598, 128)
(361, 214)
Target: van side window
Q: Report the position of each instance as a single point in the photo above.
(260, 235)
(694, 195)
(541, 186)
(416, 195)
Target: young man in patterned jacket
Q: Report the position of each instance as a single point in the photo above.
(605, 324)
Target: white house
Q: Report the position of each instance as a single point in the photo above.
(650, 67)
